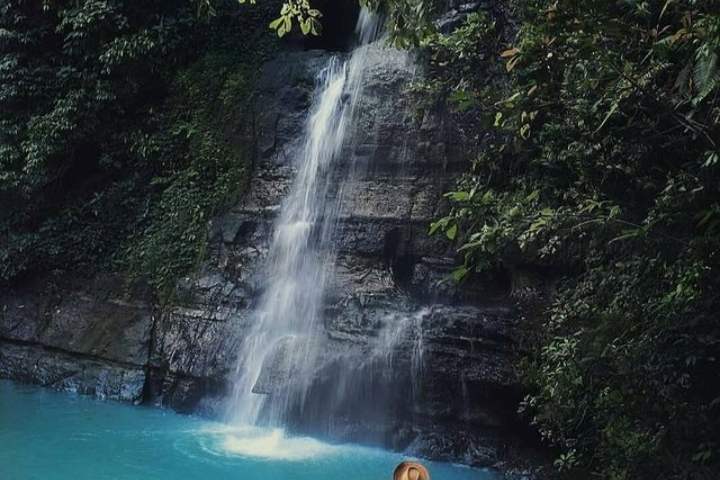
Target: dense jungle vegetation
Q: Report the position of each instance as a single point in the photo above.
(594, 131)
(597, 158)
(123, 127)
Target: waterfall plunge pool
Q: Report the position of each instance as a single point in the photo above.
(46, 435)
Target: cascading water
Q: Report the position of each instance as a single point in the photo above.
(281, 346)
(397, 329)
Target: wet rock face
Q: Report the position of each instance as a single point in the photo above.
(408, 360)
(77, 341)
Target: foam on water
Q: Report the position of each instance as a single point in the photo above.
(263, 443)
(276, 446)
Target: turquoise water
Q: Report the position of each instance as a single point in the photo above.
(52, 436)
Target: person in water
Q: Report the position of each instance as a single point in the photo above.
(410, 471)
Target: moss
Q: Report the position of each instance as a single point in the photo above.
(205, 145)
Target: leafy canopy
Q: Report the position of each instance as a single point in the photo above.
(123, 126)
(596, 131)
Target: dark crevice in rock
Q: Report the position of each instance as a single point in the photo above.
(149, 392)
(185, 393)
(402, 269)
(337, 33)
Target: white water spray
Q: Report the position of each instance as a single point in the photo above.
(398, 329)
(281, 346)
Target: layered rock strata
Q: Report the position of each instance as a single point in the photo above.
(409, 360)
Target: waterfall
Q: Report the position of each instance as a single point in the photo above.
(280, 350)
(397, 328)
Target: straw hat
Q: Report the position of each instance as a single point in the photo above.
(411, 471)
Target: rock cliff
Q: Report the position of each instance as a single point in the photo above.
(410, 361)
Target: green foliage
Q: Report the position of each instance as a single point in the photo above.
(108, 138)
(300, 12)
(205, 147)
(597, 153)
(77, 80)
(408, 22)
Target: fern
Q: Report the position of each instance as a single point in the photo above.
(682, 83)
(706, 74)
(707, 68)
